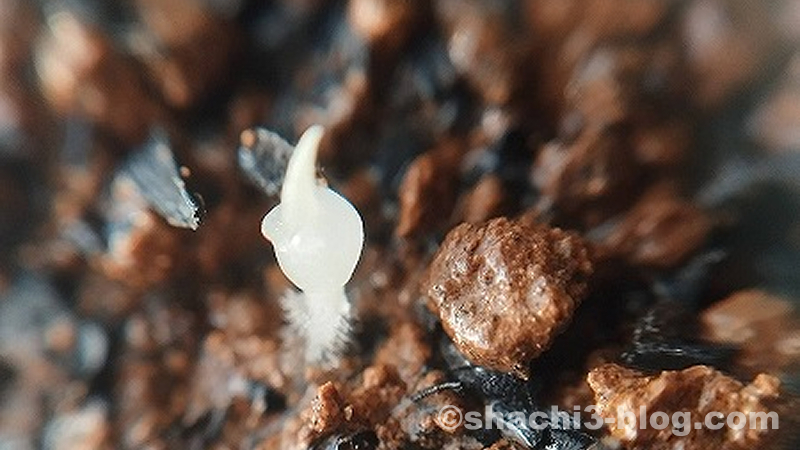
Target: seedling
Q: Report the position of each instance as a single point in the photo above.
(318, 236)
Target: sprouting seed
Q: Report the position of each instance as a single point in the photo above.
(318, 236)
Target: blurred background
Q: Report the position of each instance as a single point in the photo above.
(661, 130)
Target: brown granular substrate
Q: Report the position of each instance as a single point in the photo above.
(621, 393)
(505, 289)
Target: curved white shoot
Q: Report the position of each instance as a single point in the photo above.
(300, 182)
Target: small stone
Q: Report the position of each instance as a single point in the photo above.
(81, 429)
(487, 200)
(590, 178)
(774, 123)
(381, 389)
(487, 46)
(81, 73)
(385, 24)
(662, 145)
(187, 51)
(661, 230)
(761, 324)
(146, 254)
(699, 390)
(427, 193)
(727, 46)
(408, 349)
(326, 409)
(505, 289)
(61, 335)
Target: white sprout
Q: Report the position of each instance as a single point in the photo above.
(318, 236)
